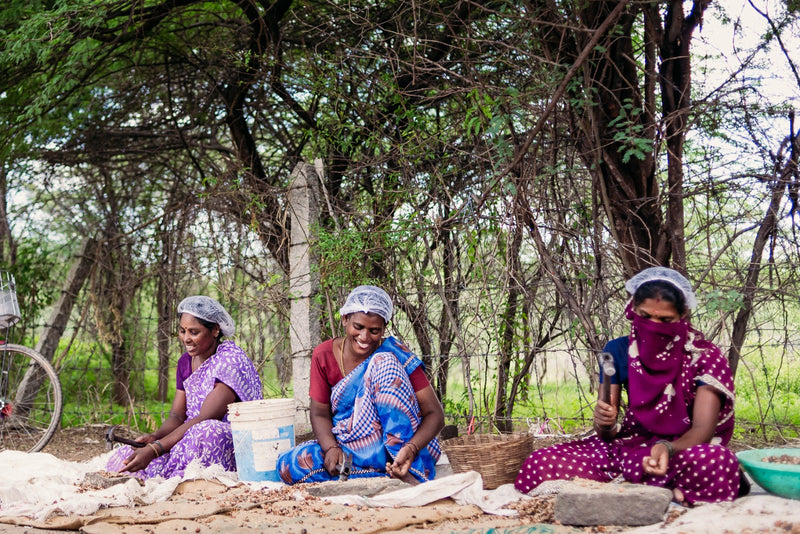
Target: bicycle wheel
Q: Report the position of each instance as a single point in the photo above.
(30, 399)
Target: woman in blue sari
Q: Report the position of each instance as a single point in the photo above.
(371, 400)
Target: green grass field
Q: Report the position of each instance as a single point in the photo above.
(767, 386)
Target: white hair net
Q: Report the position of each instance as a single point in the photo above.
(368, 299)
(210, 310)
(665, 274)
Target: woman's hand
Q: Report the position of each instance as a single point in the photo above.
(322, 425)
(402, 462)
(146, 438)
(605, 414)
(705, 415)
(172, 431)
(334, 457)
(657, 463)
(432, 422)
(140, 458)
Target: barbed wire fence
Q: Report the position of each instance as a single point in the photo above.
(557, 398)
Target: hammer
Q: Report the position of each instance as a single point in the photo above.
(111, 438)
(345, 466)
(607, 365)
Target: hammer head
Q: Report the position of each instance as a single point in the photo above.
(345, 466)
(110, 437)
(607, 363)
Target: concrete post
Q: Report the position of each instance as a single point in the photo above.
(304, 325)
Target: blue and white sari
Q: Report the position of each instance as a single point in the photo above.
(375, 411)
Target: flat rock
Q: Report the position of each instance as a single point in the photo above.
(365, 487)
(101, 480)
(584, 502)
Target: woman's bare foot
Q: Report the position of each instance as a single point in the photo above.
(678, 497)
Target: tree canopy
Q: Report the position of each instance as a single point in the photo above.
(500, 167)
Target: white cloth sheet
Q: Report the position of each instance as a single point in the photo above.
(38, 485)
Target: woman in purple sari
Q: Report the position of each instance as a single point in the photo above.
(370, 401)
(211, 374)
(680, 405)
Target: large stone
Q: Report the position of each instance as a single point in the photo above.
(583, 502)
(103, 480)
(365, 487)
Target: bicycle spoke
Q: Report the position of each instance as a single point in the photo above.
(30, 399)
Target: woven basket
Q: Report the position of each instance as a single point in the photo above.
(497, 457)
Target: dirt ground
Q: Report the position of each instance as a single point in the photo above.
(278, 512)
(79, 443)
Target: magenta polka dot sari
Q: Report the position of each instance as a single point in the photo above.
(666, 365)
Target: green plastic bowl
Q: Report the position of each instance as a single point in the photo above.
(779, 479)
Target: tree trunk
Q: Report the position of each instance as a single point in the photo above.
(508, 326)
(450, 312)
(676, 84)
(615, 121)
(164, 304)
(166, 297)
(57, 323)
(766, 229)
(121, 369)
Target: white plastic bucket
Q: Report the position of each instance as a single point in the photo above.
(262, 430)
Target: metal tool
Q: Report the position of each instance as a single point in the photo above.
(345, 467)
(607, 366)
(111, 438)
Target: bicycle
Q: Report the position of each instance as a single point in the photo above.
(30, 392)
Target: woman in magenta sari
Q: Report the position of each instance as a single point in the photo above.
(370, 400)
(211, 374)
(680, 405)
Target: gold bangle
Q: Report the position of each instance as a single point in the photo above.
(154, 449)
(416, 449)
(160, 446)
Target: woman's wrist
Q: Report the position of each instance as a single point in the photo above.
(668, 445)
(332, 447)
(613, 429)
(155, 450)
(160, 446)
(413, 447)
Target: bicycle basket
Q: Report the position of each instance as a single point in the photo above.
(9, 306)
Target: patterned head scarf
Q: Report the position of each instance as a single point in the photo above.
(209, 310)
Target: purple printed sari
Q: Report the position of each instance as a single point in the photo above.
(210, 441)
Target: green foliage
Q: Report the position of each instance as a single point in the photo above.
(629, 130)
(123, 114)
(346, 255)
(726, 301)
(36, 273)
